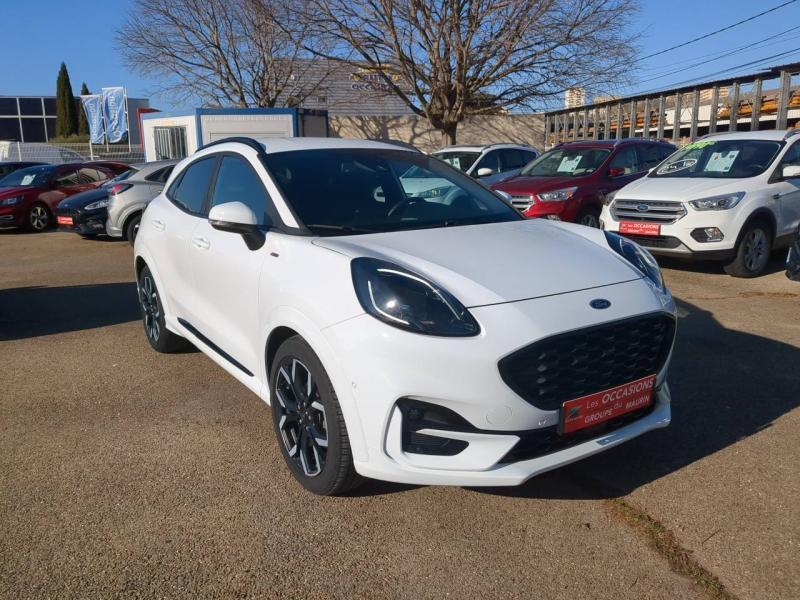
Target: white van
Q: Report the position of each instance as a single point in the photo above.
(732, 197)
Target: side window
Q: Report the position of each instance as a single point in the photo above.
(190, 191)
(238, 182)
(512, 159)
(651, 155)
(490, 160)
(792, 156)
(66, 177)
(87, 175)
(161, 175)
(625, 160)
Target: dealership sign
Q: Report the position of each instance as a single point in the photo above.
(93, 107)
(106, 114)
(114, 109)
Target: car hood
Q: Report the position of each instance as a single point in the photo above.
(521, 184)
(680, 188)
(79, 201)
(498, 262)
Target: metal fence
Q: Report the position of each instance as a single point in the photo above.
(63, 153)
(764, 100)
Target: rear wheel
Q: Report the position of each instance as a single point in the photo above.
(752, 251)
(160, 338)
(308, 421)
(132, 228)
(39, 217)
(590, 217)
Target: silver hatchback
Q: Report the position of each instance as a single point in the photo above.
(128, 199)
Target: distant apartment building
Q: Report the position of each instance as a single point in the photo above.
(574, 97)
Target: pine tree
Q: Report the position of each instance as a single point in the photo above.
(83, 124)
(66, 111)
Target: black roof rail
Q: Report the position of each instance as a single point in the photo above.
(247, 141)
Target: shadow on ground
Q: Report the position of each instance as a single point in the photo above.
(34, 311)
(777, 264)
(726, 385)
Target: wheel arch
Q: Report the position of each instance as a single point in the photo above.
(285, 322)
(760, 214)
(137, 212)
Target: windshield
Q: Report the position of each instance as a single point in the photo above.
(121, 177)
(28, 177)
(460, 160)
(724, 159)
(344, 192)
(567, 162)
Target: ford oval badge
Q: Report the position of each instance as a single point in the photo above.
(599, 303)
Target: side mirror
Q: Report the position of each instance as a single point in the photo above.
(237, 217)
(616, 171)
(484, 172)
(791, 171)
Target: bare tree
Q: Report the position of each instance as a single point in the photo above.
(224, 52)
(448, 59)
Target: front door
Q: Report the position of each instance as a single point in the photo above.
(227, 273)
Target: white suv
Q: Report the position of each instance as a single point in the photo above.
(390, 332)
(489, 164)
(732, 197)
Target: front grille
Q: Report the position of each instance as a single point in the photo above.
(646, 211)
(521, 202)
(574, 364)
(655, 241)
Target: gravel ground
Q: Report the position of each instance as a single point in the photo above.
(128, 473)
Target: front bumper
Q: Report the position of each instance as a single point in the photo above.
(83, 222)
(12, 216)
(675, 239)
(384, 366)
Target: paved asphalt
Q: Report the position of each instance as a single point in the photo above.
(124, 473)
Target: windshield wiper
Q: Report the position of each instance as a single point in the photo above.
(342, 228)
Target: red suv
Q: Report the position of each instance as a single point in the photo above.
(29, 197)
(570, 182)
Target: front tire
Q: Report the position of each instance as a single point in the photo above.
(39, 217)
(160, 338)
(309, 423)
(590, 217)
(752, 251)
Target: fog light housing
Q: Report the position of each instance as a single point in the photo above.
(707, 234)
(554, 217)
(418, 415)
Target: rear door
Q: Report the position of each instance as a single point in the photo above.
(226, 272)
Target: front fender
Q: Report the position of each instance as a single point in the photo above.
(287, 316)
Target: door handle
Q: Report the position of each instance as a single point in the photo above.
(159, 224)
(201, 243)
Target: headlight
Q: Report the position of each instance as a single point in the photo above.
(723, 202)
(11, 201)
(407, 301)
(609, 197)
(557, 195)
(639, 257)
(96, 205)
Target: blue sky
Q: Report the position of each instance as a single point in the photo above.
(88, 46)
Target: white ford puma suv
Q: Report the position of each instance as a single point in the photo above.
(393, 335)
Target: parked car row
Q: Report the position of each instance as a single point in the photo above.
(116, 208)
(29, 196)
